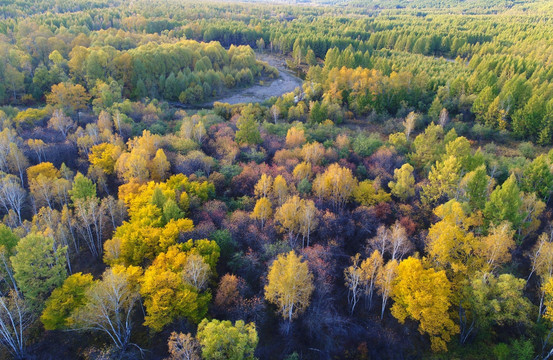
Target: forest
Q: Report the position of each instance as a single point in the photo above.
(396, 205)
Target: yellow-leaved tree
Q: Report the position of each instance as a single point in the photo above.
(173, 286)
(297, 216)
(423, 294)
(289, 285)
(336, 185)
(451, 243)
(262, 210)
(295, 137)
(264, 186)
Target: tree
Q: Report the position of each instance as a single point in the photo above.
(381, 242)
(15, 79)
(7, 137)
(385, 282)
(8, 242)
(391, 241)
(409, 123)
(183, 347)
(541, 257)
(104, 156)
(248, 131)
(15, 319)
(403, 185)
(275, 113)
(196, 272)
(61, 123)
(65, 300)
(547, 289)
(264, 186)
(443, 180)
(68, 97)
(169, 285)
(83, 189)
(302, 171)
(400, 245)
(221, 340)
(371, 268)
(505, 204)
(229, 292)
(310, 58)
(499, 301)
(12, 195)
(443, 118)
(317, 113)
(496, 247)
(482, 103)
(367, 194)
(280, 189)
(262, 210)
(428, 146)
(297, 217)
(38, 267)
(38, 146)
(354, 277)
(538, 178)
(476, 185)
(289, 285)
(295, 137)
(313, 152)
(159, 166)
(308, 220)
(133, 165)
(451, 243)
(46, 184)
(109, 305)
(424, 296)
(260, 43)
(17, 161)
(336, 184)
(435, 109)
(288, 216)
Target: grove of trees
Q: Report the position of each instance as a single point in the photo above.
(396, 205)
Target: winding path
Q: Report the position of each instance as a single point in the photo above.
(285, 83)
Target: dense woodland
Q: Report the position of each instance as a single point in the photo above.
(395, 206)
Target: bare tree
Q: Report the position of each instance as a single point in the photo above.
(354, 281)
(399, 242)
(275, 113)
(6, 264)
(7, 136)
(60, 122)
(199, 132)
(116, 210)
(196, 272)
(37, 146)
(18, 162)
(384, 282)
(91, 214)
(12, 195)
(444, 117)
(15, 318)
(381, 241)
(109, 308)
(409, 123)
